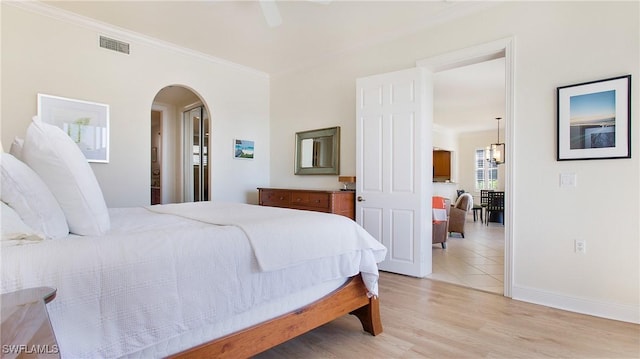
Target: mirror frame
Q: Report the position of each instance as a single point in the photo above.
(333, 132)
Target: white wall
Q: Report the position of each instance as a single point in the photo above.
(556, 44)
(44, 54)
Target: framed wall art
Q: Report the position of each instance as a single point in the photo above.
(594, 120)
(87, 123)
(243, 149)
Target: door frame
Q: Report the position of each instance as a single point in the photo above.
(189, 108)
(476, 54)
(165, 180)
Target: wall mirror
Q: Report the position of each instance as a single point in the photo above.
(318, 152)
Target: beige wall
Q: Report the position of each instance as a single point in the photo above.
(556, 44)
(59, 56)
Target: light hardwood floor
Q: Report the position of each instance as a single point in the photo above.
(424, 318)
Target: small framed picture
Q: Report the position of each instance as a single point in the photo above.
(87, 123)
(243, 149)
(594, 120)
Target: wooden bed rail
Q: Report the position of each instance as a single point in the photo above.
(349, 298)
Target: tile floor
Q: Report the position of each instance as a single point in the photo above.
(476, 261)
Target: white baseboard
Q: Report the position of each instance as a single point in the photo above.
(625, 313)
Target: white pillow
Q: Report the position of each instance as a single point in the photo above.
(64, 168)
(30, 197)
(14, 228)
(16, 148)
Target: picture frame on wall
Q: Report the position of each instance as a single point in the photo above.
(87, 123)
(594, 120)
(243, 149)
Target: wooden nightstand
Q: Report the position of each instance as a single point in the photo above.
(26, 329)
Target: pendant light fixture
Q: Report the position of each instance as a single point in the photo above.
(495, 152)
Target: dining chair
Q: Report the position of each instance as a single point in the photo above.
(484, 201)
(495, 205)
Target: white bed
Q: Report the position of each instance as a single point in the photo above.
(158, 284)
(155, 281)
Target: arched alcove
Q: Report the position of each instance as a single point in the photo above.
(180, 124)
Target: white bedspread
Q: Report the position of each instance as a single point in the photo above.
(282, 237)
(159, 283)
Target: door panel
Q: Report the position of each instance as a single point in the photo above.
(403, 156)
(371, 220)
(393, 167)
(371, 138)
(403, 93)
(402, 222)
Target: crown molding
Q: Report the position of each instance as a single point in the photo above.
(115, 31)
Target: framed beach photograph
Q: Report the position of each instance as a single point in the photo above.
(87, 123)
(594, 120)
(243, 149)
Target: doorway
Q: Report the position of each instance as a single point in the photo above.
(180, 164)
(475, 55)
(411, 248)
(467, 100)
(156, 157)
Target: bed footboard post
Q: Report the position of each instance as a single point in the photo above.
(369, 316)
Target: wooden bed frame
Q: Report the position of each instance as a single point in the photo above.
(350, 298)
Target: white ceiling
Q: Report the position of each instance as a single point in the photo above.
(311, 33)
(470, 98)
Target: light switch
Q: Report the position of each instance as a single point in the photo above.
(567, 180)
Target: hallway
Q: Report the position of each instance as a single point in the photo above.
(476, 261)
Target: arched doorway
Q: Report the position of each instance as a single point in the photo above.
(180, 170)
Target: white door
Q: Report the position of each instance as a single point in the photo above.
(394, 166)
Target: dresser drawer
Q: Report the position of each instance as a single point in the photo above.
(318, 200)
(338, 202)
(310, 199)
(299, 198)
(275, 198)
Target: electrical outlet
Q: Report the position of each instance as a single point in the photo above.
(580, 246)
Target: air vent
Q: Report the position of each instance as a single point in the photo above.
(115, 45)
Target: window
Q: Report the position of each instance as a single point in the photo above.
(486, 172)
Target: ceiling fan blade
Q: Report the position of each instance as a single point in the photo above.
(271, 12)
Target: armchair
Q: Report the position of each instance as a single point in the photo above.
(440, 226)
(458, 214)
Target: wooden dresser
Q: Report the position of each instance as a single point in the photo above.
(338, 202)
